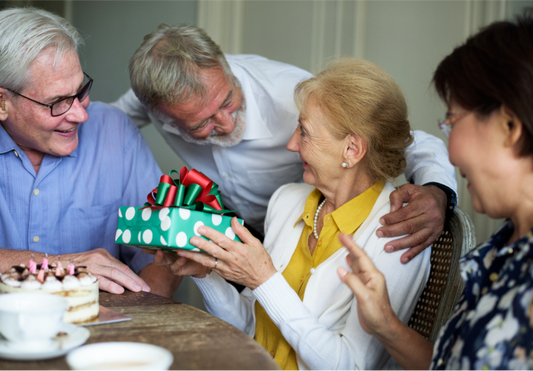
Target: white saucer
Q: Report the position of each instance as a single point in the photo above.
(75, 336)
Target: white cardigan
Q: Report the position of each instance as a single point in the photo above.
(324, 329)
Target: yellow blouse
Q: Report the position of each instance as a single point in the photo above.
(345, 219)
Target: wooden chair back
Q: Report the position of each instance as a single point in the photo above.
(445, 285)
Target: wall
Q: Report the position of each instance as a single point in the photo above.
(113, 30)
(407, 38)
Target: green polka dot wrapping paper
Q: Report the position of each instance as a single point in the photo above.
(167, 229)
(174, 212)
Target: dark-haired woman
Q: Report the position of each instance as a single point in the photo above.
(487, 85)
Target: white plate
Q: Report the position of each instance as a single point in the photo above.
(76, 336)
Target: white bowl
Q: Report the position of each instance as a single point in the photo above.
(120, 355)
(31, 317)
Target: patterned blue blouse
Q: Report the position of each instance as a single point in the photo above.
(492, 324)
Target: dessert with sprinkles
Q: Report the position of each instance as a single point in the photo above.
(76, 284)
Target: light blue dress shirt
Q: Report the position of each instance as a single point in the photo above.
(71, 205)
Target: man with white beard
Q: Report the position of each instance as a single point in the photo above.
(231, 117)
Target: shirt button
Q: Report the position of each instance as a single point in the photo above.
(493, 276)
(328, 219)
(36, 239)
(16, 153)
(319, 243)
(239, 202)
(510, 251)
(272, 354)
(225, 175)
(35, 191)
(313, 270)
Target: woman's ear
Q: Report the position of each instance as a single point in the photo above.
(511, 126)
(354, 149)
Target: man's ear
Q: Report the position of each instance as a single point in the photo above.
(354, 149)
(511, 125)
(3, 105)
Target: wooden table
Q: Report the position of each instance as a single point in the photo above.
(197, 339)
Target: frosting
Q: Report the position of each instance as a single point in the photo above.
(70, 282)
(46, 279)
(30, 283)
(52, 284)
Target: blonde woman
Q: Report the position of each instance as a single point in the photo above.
(352, 135)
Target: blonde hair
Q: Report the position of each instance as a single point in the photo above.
(359, 97)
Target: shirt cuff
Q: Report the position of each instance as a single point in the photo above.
(213, 288)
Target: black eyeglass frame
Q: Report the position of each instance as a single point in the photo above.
(81, 95)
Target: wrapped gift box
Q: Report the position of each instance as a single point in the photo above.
(174, 212)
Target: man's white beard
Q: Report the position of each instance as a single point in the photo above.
(222, 140)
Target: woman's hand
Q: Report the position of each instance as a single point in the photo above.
(369, 287)
(178, 266)
(246, 263)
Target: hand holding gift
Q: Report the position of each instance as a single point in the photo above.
(246, 263)
(174, 212)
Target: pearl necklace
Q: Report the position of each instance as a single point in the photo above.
(319, 208)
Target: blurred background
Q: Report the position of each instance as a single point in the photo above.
(407, 38)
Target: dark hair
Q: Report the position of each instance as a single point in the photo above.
(493, 67)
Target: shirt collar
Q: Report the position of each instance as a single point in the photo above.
(348, 216)
(256, 127)
(6, 142)
(353, 213)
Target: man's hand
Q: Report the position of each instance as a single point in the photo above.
(177, 265)
(112, 275)
(160, 280)
(423, 218)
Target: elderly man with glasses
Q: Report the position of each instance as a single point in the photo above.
(66, 165)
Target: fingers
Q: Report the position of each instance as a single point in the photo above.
(411, 253)
(423, 237)
(243, 232)
(354, 282)
(359, 260)
(202, 259)
(407, 226)
(164, 259)
(217, 243)
(398, 198)
(423, 218)
(109, 286)
(148, 251)
(103, 264)
(409, 211)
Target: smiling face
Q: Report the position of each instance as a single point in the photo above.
(217, 120)
(476, 147)
(320, 151)
(31, 125)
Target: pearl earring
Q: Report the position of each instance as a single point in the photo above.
(345, 165)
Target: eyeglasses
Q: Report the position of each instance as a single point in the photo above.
(446, 124)
(62, 105)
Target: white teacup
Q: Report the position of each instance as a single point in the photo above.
(31, 318)
(120, 356)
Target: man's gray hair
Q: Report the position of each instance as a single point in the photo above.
(24, 34)
(166, 68)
